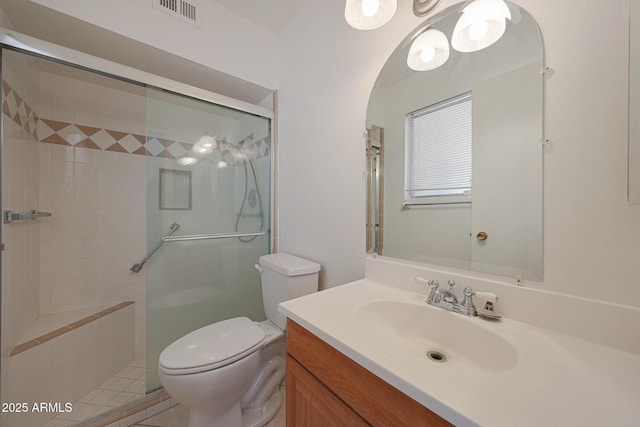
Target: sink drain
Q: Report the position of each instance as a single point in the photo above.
(436, 356)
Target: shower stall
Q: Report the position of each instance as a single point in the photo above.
(134, 209)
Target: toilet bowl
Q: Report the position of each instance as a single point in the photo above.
(228, 373)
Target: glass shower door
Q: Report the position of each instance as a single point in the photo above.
(208, 216)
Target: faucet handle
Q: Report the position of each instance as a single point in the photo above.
(434, 289)
(468, 293)
(451, 284)
(433, 283)
(467, 302)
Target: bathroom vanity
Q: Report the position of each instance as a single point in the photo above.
(324, 387)
(358, 354)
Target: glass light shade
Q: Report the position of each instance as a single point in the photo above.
(495, 8)
(187, 160)
(482, 24)
(363, 14)
(428, 51)
(205, 145)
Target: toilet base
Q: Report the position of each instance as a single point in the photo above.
(235, 418)
(202, 418)
(261, 416)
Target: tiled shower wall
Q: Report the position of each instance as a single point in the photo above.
(81, 171)
(89, 172)
(96, 233)
(96, 192)
(20, 259)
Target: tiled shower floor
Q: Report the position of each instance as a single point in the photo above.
(127, 385)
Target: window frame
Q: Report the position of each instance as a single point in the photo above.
(447, 196)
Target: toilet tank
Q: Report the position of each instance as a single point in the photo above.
(285, 277)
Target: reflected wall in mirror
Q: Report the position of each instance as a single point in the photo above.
(634, 101)
(497, 226)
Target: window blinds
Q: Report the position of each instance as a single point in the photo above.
(438, 148)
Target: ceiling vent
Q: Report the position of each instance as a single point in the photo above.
(188, 11)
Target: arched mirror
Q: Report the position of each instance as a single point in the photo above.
(455, 150)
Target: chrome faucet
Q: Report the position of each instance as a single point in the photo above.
(447, 299)
(448, 295)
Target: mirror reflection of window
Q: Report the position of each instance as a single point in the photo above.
(438, 147)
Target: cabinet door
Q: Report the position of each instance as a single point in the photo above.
(311, 404)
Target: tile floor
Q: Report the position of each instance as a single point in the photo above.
(178, 415)
(127, 385)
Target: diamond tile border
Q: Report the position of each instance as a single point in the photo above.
(76, 135)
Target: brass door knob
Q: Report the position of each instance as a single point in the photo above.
(482, 235)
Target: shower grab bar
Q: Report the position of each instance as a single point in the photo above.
(9, 216)
(210, 236)
(138, 266)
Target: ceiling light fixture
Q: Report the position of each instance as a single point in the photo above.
(428, 51)
(372, 14)
(369, 14)
(483, 22)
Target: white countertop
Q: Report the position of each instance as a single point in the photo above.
(554, 380)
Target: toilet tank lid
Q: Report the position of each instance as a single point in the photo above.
(289, 265)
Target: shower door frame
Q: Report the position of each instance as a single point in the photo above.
(25, 44)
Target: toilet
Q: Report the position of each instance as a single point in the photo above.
(228, 373)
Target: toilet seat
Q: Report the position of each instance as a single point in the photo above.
(212, 347)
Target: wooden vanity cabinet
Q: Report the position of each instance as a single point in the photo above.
(325, 388)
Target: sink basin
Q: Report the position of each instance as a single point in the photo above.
(437, 335)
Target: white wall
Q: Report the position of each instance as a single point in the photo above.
(225, 41)
(326, 74)
(591, 234)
